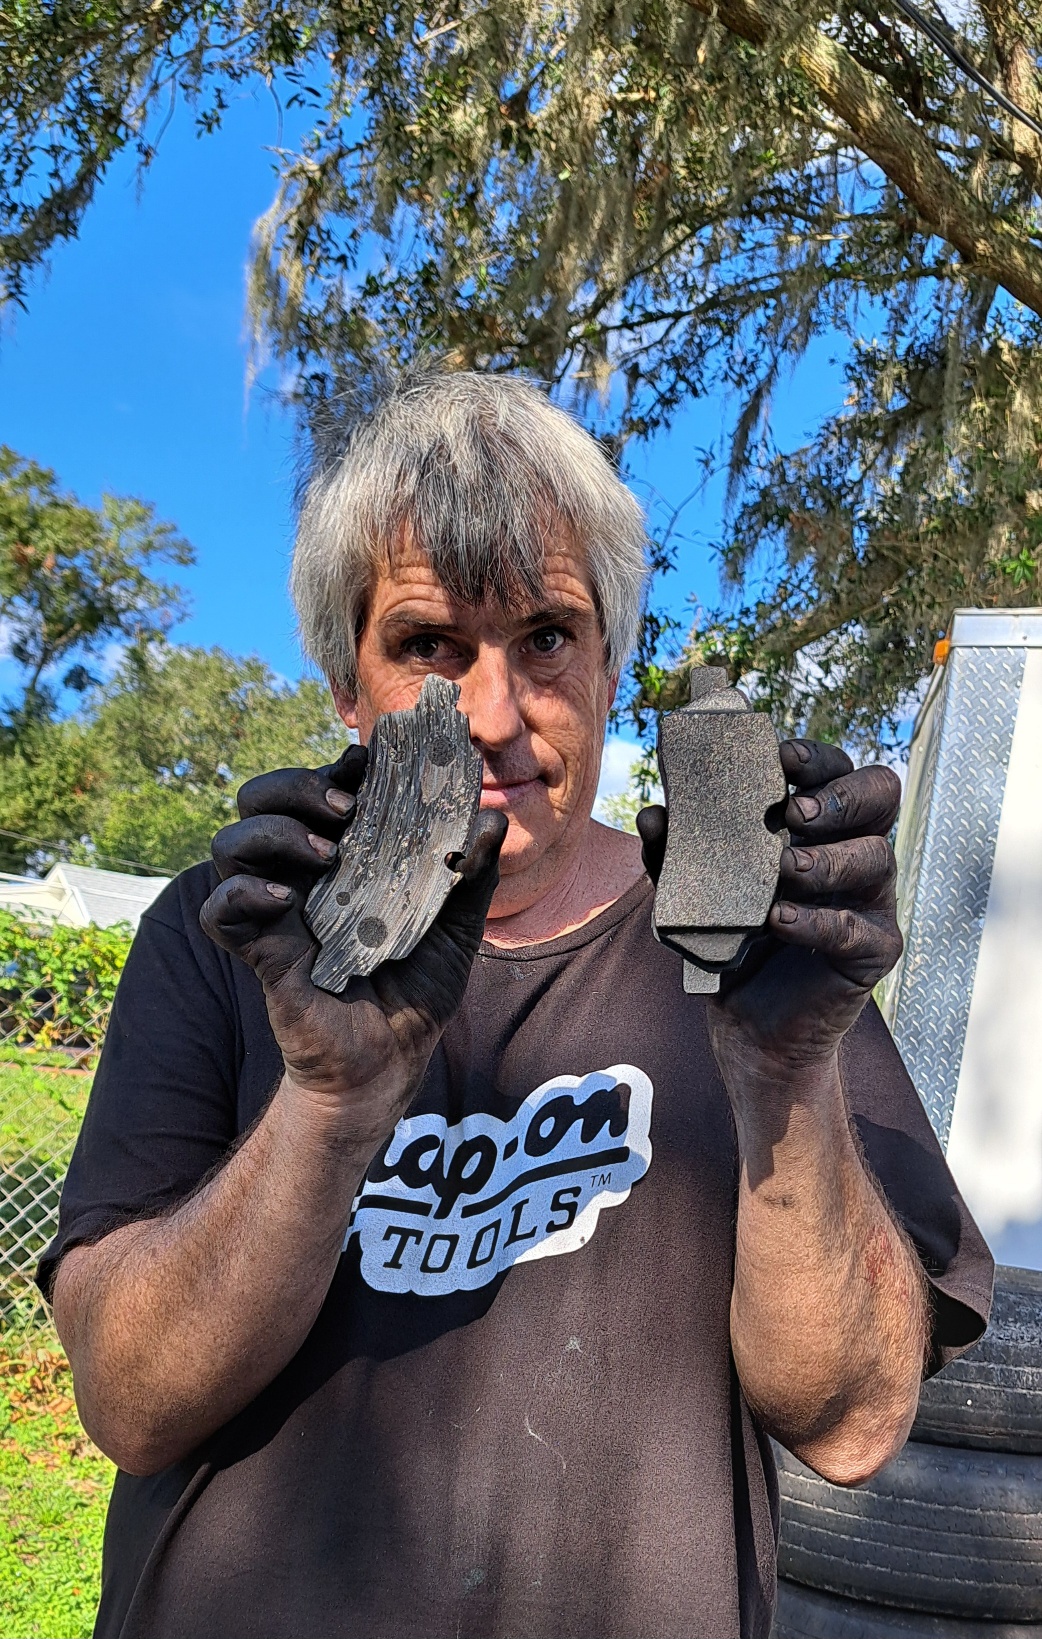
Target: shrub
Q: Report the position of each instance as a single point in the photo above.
(57, 983)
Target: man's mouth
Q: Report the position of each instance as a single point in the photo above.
(501, 793)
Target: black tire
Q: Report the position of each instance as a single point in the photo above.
(938, 1529)
(991, 1397)
(803, 1613)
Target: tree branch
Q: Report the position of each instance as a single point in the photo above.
(1021, 80)
(894, 143)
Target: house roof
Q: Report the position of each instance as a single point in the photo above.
(78, 894)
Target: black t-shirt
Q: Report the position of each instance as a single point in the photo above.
(516, 1416)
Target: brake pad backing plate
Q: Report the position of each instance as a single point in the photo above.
(417, 805)
(721, 773)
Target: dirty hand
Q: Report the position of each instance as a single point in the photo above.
(366, 1050)
(832, 932)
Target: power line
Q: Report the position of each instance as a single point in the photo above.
(63, 848)
(943, 37)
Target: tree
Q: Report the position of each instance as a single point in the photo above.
(147, 771)
(74, 579)
(651, 200)
(179, 730)
(46, 777)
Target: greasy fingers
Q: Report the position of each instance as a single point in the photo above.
(490, 831)
(274, 846)
(348, 771)
(861, 869)
(863, 948)
(467, 906)
(259, 921)
(304, 793)
(810, 763)
(862, 803)
(653, 828)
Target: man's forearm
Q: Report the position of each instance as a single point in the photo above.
(829, 1313)
(175, 1324)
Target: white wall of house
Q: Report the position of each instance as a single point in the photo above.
(77, 894)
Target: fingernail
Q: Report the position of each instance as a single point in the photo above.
(322, 846)
(339, 801)
(801, 858)
(802, 750)
(809, 807)
(278, 890)
(787, 913)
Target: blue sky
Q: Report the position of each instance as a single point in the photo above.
(128, 374)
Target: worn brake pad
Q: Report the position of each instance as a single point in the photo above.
(722, 777)
(416, 806)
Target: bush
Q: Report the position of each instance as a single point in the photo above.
(56, 991)
(57, 983)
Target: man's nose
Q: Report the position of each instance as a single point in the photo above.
(489, 696)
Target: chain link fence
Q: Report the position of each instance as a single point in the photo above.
(56, 990)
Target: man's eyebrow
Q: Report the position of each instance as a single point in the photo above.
(559, 613)
(399, 619)
(402, 619)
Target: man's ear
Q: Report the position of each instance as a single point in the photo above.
(346, 705)
(613, 689)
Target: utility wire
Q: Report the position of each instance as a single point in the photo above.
(63, 848)
(943, 37)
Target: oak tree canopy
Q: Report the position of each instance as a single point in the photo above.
(641, 203)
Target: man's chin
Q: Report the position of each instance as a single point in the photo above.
(523, 846)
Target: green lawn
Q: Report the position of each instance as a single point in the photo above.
(54, 1487)
(41, 1103)
(41, 1106)
(54, 1483)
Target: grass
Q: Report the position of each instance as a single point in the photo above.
(54, 1487)
(41, 1106)
(54, 1484)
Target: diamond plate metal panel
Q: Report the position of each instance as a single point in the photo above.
(947, 849)
(911, 830)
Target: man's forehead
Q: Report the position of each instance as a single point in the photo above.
(408, 585)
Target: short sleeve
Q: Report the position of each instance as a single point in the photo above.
(162, 1110)
(908, 1163)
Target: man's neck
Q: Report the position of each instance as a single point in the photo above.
(606, 865)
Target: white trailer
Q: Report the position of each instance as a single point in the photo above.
(965, 1002)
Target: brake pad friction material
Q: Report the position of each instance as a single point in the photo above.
(721, 773)
(417, 804)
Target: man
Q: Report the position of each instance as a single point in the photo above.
(606, 1237)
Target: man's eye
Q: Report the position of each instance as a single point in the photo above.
(547, 641)
(424, 647)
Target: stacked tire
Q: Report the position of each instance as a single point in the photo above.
(946, 1541)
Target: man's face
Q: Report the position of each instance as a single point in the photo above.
(532, 683)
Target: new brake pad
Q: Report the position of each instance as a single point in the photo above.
(722, 777)
(416, 807)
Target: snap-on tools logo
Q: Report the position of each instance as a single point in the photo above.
(446, 1209)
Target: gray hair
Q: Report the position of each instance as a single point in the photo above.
(482, 470)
